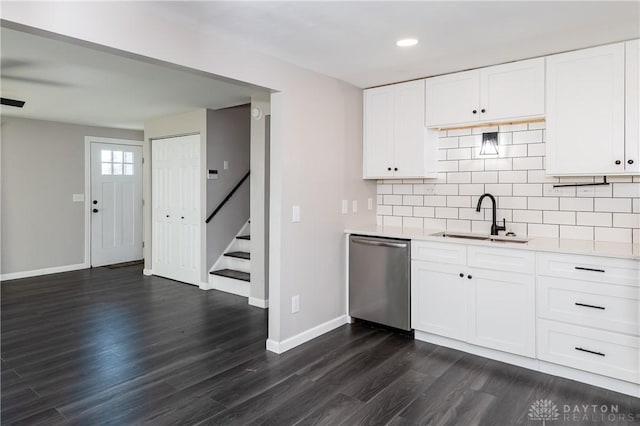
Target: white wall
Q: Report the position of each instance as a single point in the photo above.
(316, 144)
(42, 167)
(525, 195)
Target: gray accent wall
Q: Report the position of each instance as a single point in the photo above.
(42, 167)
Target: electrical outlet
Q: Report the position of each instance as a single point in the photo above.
(345, 206)
(429, 189)
(354, 206)
(586, 190)
(78, 198)
(370, 203)
(295, 304)
(225, 165)
(295, 214)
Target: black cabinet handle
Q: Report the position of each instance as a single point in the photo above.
(589, 306)
(181, 217)
(95, 210)
(469, 276)
(618, 162)
(588, 351)
(580, 268)
(389, 168)
(483, 110)
(475, 111)
(395, 169)
(630, 161)
(95, 201)
(461, 275)
(167, 215)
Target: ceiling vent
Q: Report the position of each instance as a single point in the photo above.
(11, 102)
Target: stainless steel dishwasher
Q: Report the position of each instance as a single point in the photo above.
(379, 277)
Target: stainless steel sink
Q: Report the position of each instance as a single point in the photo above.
(482, 237)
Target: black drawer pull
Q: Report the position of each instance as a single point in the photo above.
(588, 351)
(580, 268)
(589, 306)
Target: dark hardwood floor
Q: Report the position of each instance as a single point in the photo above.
(109, 346)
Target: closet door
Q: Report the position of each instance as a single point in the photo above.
(176, 208)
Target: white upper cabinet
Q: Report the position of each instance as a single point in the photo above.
(586, 112)
(512, 91)
(395, 138)
(632, 107)
(502, 92)
(453, 98)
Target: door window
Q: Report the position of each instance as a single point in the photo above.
(116, 162)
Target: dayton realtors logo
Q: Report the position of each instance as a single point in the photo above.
(545, 410)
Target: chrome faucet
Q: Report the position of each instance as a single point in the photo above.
(494, 226)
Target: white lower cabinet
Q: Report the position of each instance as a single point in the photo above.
(486, 307)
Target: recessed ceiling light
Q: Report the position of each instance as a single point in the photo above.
(406, 42)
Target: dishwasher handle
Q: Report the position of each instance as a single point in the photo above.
(378, 243)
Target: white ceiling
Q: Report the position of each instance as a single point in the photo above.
(74, 84)
(355, 41)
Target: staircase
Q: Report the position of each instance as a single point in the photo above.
(232, 272)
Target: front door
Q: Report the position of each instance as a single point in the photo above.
(116, 203)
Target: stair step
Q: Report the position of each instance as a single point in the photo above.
(239, 255)
(230, 273)
(244, 237)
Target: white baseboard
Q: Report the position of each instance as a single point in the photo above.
(44, 271)
(228, 285)
(259, 303)
(305, 336)
(147, 272)
(533, 364)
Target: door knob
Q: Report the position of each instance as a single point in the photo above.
(181, 217)
(95, 201)
(167, 215)
(95, 210)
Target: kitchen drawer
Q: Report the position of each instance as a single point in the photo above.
(601, 352)
(590, 268)
(604, 306)
(501, 259)
(454, 254)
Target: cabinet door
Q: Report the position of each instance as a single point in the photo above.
(585, 111)
(378, 132)
(409, 140)
(453, 98)
(502, 311)
(632, 111)
(512, 91)
(439, 299)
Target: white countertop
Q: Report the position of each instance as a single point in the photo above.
(555, 245)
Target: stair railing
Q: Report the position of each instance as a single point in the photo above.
(227, 198)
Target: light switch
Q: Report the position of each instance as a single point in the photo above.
(78, 198)
(225, 165)
(295, 214)
(370, 203)
(354, 206)
(345, 206)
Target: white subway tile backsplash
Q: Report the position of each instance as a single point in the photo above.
(617, 205)
(542, 203)
(447, 212)
(529, 136)
(402, 210)
(413, 200)
(577, 204)
(402, 189)
(626, 220)
(618, 235)
(471, 165)
(559, 217)
(527, 163)
(519, 176)
(499, 189)
(548, 231)
(594, 219)
(576, 232)
(527, 189)
(459, 154)
(484, 177)
(525, 194)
